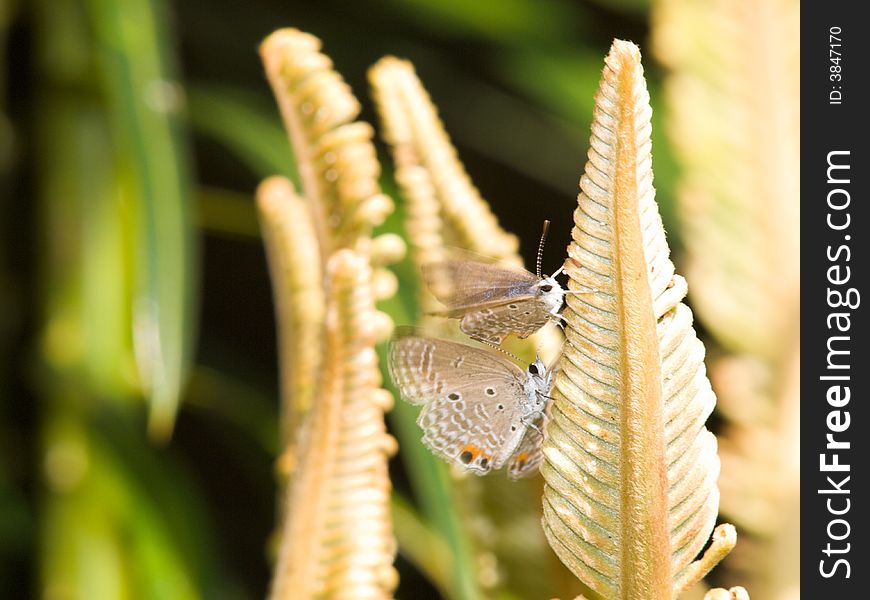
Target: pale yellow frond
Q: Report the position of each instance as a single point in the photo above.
(428, 169)
(444, 211)
(630, 471)
(297, 283)
(733, 94)
(735, 593)
(337, 539)
(337, 161)
(443, 207)
(760, 458)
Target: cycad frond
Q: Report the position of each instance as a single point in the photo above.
(337, 161)
(336, 532)
(337, 539)
(630, 471)
(427, 167)
(295, 269)
(735, 126)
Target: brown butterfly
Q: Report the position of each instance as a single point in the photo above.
(481, 411)
(495, 300)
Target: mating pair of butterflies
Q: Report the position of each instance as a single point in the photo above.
(480, 409)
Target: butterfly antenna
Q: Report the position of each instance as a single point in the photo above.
(541, 245)
(502, 350)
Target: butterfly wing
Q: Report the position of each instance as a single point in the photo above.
(471, 399)
(465, 285)
(492, 300)
(491, 324)
(529, 453)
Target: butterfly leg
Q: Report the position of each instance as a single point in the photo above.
(530, 422)
(560, 322)
(558, 318)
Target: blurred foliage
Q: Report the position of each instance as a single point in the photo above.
(735, 125)
(115, 172)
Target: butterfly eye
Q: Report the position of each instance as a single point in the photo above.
(546, 288)
(533, 369)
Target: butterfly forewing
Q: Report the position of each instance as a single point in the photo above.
(462, 284)
(472, 399)
(423, 368)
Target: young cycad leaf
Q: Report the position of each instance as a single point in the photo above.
(444, 209)
(295, 269)
(733, 95)
(444, 206)
(336, 536)
(337, 162)
(337, 539)
(630, 496)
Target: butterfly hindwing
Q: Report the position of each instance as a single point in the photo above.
(529, 453)
(493, 323)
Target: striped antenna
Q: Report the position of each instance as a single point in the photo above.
(541, 245)
(502, 350)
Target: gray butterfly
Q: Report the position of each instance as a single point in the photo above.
(480, 410)
(493, 300)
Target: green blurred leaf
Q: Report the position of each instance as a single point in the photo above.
(635, 8)
(513, 132)
(563, 80)
(16, 525)
(137, 66)
(120, 519)
(227, 213)
(236, 402)
(491, 19)
(421, 544)
(85, 271)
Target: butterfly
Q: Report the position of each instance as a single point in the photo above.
(493, 300)
(480, 410)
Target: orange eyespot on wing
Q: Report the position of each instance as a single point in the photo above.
(520, 461)
(469, 453)
(472, 454)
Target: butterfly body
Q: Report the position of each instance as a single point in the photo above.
(480, 410)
